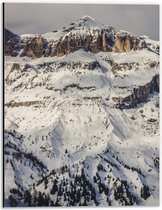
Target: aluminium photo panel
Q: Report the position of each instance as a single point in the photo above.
(81, 105)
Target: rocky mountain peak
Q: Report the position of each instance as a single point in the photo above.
(87, 18)
(11, 43)
(88, 21)
(86, 34)
(10, 35)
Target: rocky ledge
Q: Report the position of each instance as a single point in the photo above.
(94, 40)
(139, 95)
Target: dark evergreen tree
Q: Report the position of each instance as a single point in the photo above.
(51, 203)
(145, 192)
(54, 188)
(100, 186)
(46, 183)
(85, 202)
(57, 203)
(78, 196)
(64, 196)
(34, 198)
(60, 193)
(46, 200)
(27, 197)
(40, 199)
(13, 202)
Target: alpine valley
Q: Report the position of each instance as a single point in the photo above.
(81, 112)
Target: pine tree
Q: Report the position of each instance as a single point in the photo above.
(46, 200)
(34, 198)
(145, 192)
(57, 203)
(78, 196)
(13, 202)
(60, 193)
(85, 202)
(40, 199)
(52, 203)
(54, 188)
(27, 197)
(46, 183)
(100, 187)
(64, 196)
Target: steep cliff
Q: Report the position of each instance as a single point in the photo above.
(11, 44)
(139, 95)
(85, 34)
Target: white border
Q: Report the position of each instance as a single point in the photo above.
(88, 1)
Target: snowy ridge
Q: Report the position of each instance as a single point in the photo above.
(84, 24)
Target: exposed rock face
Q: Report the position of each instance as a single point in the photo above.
(116, 67)
(16, 66)
(94, 42)
(79, 35)
(17, 104)
(139, 95)
(11, 45)
(104, 42)
(145, 42)
(125, 42)
(35, 47)
(123, 45)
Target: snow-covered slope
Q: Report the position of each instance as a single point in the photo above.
(69, 140)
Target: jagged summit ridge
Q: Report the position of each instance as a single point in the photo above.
(86, 34)
(88, 21)
(87, 18)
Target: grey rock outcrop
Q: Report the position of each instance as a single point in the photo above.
(11, 43)
(35, 47)
(139, 95)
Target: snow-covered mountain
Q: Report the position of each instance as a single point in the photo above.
(81, 117)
